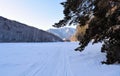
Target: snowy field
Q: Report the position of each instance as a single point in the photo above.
(53, 59)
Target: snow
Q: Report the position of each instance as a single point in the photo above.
(53, 59)
(64, 32)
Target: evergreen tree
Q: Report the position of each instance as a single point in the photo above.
(103, 20)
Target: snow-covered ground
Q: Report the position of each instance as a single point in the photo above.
(53, 59)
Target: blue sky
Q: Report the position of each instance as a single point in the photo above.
(38, 13)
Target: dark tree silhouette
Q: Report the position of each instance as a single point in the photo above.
(103, 19)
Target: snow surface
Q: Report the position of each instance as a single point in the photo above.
(53, 59)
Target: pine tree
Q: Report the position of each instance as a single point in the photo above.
(103, 20)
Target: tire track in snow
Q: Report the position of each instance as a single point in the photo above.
(55, 64)
(49, 69)
(34, 66)
(67, 64)
(58, 68)
(39, 66)
(63, 65)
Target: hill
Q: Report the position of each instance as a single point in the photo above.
(64, 33)
(13, 31)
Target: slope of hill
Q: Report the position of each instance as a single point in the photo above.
(64, 33)
(53, 59)
(12, 31)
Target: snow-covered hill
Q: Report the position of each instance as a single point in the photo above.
(65, 33)
(12, 31)
(53, 59)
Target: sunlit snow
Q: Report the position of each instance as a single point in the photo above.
(53, 59)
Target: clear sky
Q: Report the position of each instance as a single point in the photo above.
(38, 13)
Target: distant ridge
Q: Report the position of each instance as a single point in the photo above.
(65, 33)
(13, 31)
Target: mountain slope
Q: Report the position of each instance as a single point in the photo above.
(53, 59)
(64, 33)
(12, 31)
